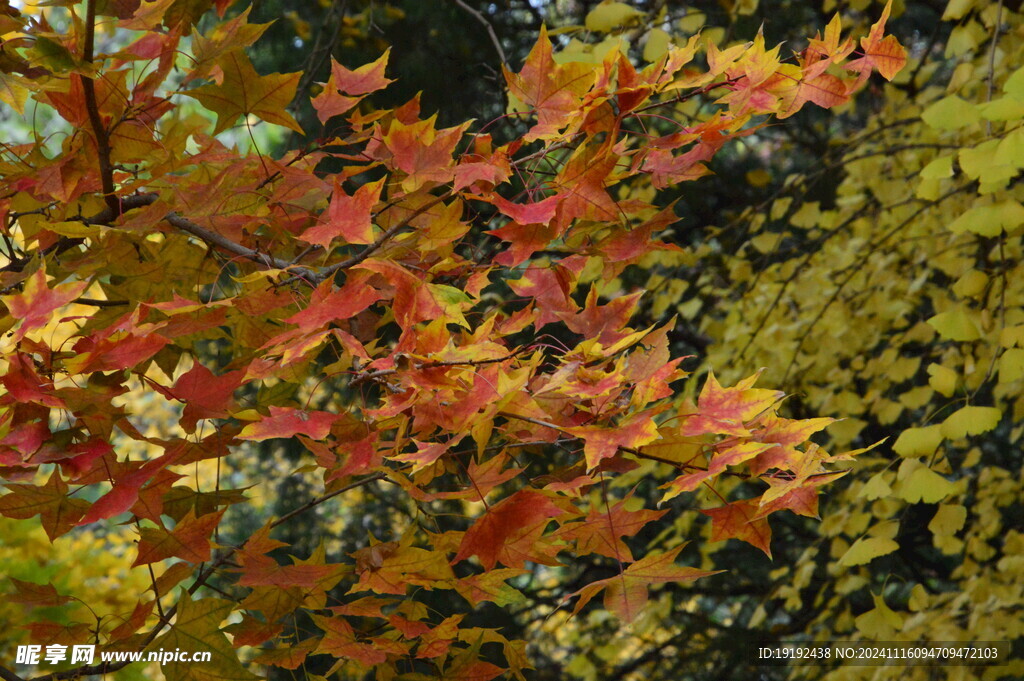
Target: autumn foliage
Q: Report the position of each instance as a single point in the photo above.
(430, 309)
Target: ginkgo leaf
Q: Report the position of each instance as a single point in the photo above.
(608, 16)
(943, 379)
(948, 519)
(924, 485)
(866, 549)
(876, 488)
(956, 324)
(914, 442)
(970, 421)
(880, 623)
(242, 92)
(950, 113)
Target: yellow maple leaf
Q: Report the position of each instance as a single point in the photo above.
(242, 91)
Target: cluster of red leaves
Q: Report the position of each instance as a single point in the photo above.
(409, 286)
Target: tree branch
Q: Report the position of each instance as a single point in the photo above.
(8, 675)
(490, 29)
(95, 120)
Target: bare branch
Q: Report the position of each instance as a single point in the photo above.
(8, 675)
(490, 29)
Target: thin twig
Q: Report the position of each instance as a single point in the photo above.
(490, 29)
(992, 60)
(373, 375)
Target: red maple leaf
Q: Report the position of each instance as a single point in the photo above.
(494, 536)
(288, 421)
(348, 217)
(35, 305)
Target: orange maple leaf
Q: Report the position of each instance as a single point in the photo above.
(626, 594)
(741, 520)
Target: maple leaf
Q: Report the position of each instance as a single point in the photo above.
(242, 92)
(602, 530)
(189, 540)
(259, 569)
(24, 384)
(287, 422)
(554, 90)
(135, 621)
(36, 595)
(420, 150)
(205, 396)
(58, 512)
(741, 520)
(349, 217)
(508, 529)
(125, 491)
(392, 567)
(251, 631)
(35, 305)
(882, 53)
(730, 456)
(535, 213)
(340, 641)
(490, 586)
(416, 300)
(196, 627)
(356, 82)
(291, 657)
(725, 410)
(626, 594)
(602, 442)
